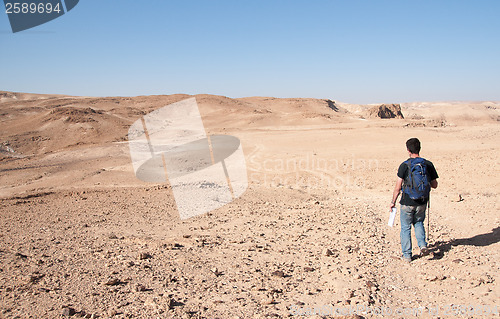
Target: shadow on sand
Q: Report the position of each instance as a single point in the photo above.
(439, 248)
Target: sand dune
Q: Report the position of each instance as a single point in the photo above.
(81, 236)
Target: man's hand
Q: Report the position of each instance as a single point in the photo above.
(434, 183)
(397, 190)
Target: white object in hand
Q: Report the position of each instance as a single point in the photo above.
(392, 217)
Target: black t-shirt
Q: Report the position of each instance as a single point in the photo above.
(403, 173)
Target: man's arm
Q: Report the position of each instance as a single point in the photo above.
(433, 175)
(397, 190)
(434, 183)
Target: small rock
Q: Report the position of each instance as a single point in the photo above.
(457, 261)
(358, 301)
(216, 271)
(144, 255)
(112, 282)
(308, 269)
(485, 279)
(170, 302)
(267, 301)
(370, 285)
(436, 254)
(327, 252)
(140, 287)
(349, 293)
(112, 312)
(68, 312)
(34, 278)
(23, 256)
(350, 249)
(176, 246)
(435, 278)
(278, 273)
(151, 302)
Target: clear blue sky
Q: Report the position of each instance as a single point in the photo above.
(352, 51)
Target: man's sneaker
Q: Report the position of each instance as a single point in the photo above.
(424, 251)
(406, 258)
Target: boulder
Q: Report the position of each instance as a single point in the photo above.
(386, 111)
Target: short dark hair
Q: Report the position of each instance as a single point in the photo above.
(413, 145)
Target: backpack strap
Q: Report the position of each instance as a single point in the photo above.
(409, 173)
(408, 177)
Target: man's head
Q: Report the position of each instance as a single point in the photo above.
(413, 145)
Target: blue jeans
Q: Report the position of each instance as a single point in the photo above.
(412, 215)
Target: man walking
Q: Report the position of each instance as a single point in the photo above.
(416, 177)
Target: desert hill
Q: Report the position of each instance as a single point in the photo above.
(81, 236)
(45, 123)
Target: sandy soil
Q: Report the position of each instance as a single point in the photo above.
(81, 236)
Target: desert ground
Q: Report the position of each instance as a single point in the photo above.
(81, 236)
